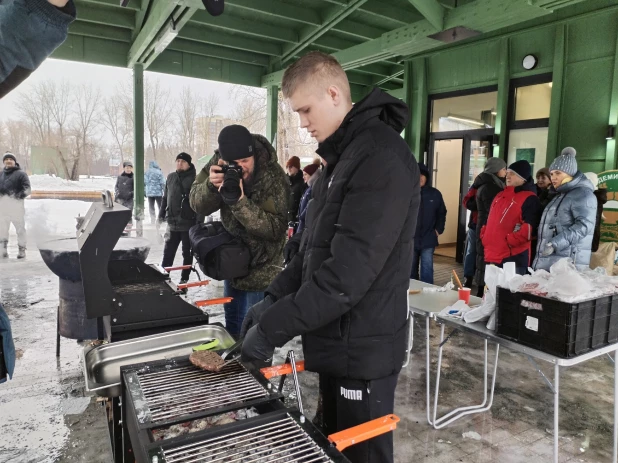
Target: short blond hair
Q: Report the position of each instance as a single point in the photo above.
(315, 66)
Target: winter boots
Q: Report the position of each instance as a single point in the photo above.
(4, 254)
(22, 253)
(468, 282)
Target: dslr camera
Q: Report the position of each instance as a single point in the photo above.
(230, 190)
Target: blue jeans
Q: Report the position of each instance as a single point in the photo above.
(470, 257)
(425, 256)
(236, 310)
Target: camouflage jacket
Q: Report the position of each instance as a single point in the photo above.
(259, 219)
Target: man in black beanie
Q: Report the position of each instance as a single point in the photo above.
(252, 196)
(14, 188)
(176, 211)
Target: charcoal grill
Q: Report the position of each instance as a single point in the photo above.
(127, 297)
(163, 394)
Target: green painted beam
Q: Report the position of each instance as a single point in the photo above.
(554, 4)
(560, 53)
(309, 34)
(133, 6)
(358, 30)
(432, 11)
(502, 107)
(408, 97)
(93, 50)
(611, 151)
(243, 26)
(99, 31)
(224, 39)
(215, 51)
(160, 14)
(277, 9)
(386, 10)
(138, 140)
(272, 113)
(140, 18)
(103, 14)
(416, 96)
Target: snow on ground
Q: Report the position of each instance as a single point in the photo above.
(53, 183)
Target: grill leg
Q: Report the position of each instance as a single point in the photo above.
(556, 408)
(58, 332)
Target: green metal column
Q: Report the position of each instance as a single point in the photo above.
(272, 112)
(503, 100)
(611, 150)
(415, 94)
(553, 136)
(138, 129)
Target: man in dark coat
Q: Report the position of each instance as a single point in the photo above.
(176, 211)
(297, 188)
(513, 220)
(346, 291)
(124, 190)
(488, 184)
(14, 189)
(430, 224)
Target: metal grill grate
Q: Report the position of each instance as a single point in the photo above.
(280, 441)
(182, 391)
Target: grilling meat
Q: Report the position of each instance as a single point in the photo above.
(206, 360)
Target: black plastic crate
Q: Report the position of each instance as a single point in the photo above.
(559, 328)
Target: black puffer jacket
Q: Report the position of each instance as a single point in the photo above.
(487, 187)
(14, 182)
(123, 193)
(178, 185)
(346, 291)
(297, 187)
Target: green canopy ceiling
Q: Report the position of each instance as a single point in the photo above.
(254, 40)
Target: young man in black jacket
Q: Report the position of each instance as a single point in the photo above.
(176, 211)
(346, 290)
(297, 188)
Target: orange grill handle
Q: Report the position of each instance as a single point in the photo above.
(220, 300)
(194, 284)
(362, 432)
(182, 267)
(280, 370)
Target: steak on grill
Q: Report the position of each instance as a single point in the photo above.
(206, 360)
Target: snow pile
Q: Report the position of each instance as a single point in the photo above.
(53, 183)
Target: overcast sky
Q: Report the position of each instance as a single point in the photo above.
(106, 77)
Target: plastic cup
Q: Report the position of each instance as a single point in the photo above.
(464, 295)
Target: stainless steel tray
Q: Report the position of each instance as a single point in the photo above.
(102, 363)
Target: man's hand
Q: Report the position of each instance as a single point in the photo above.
(437, 234)
(242, 191)
(255, 312)
(59, 3)
(216, 176)
(257, 347)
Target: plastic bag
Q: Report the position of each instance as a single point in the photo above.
(441, 289)
(457, 310)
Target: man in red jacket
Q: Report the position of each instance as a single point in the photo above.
(513, 220)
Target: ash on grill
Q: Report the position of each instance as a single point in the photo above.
(203, 423)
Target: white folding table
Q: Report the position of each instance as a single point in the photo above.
(430, 304)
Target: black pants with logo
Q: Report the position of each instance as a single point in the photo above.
(172, 240)
(350, 402)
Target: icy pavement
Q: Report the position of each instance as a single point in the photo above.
(42, 415)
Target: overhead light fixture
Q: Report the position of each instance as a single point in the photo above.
(466, 120)
(170, 34)
(611, 132)
(494, 113)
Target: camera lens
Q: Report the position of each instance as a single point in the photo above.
(230, 190)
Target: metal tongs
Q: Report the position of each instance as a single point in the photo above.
(234, 351)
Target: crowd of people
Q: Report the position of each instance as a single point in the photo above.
(514, 219)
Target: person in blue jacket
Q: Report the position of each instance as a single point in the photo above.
(430, 224)
(30, 31)
(7, 348)
(154, 182)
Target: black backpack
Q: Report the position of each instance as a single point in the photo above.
(220, 255)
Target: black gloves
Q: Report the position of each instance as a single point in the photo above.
(291, 248)
(257, 349)
(255, 313)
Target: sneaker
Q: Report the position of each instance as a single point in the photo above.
(5, 253)
(468, 282)
(22, 253)
(182, 282)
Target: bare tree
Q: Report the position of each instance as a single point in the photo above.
(117, 117)
(18, 140)
(187, 112)
(210, 105)
(158, 109)
(85, 125)
(58, 100)
(33, 106)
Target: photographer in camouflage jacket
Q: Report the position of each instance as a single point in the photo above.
(255, 212)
